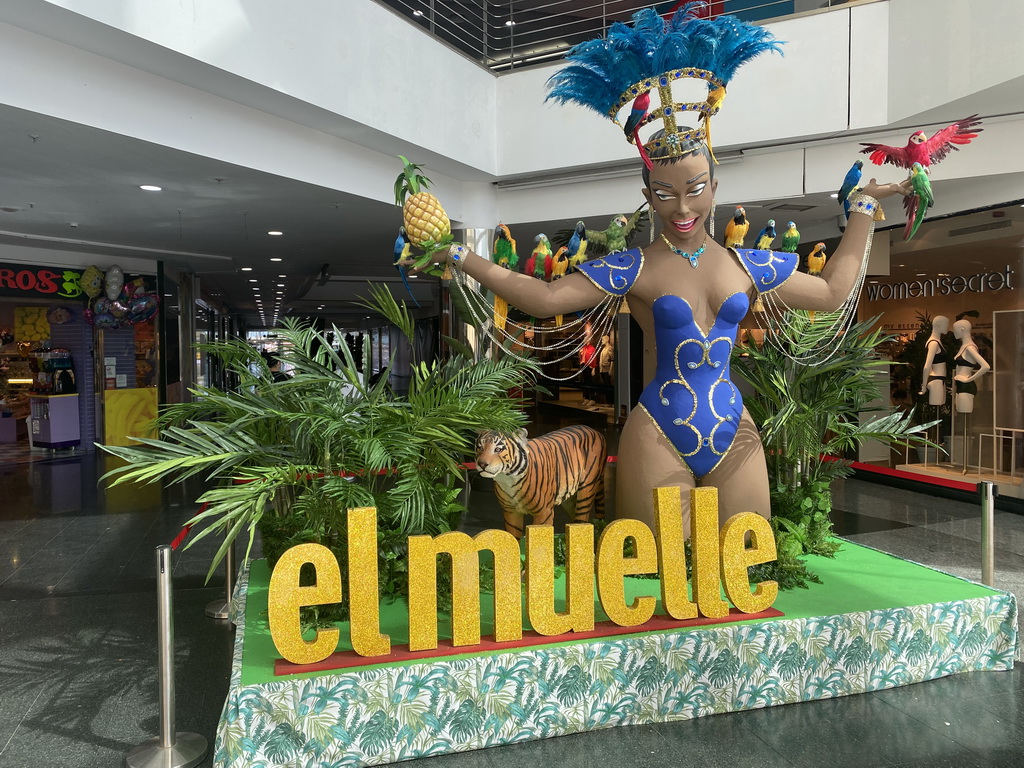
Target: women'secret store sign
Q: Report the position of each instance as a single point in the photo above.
(31, 280)
(944, 285)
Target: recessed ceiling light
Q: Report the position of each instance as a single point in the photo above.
(247, 269)
(275, 258)
(282, 275)
(150, 187)
(872, 281)
(921, 274)
(252, 279)
(280, 285)
(275, 232)
(901, 265)
(834, 195)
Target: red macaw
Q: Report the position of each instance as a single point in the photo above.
(921, 149)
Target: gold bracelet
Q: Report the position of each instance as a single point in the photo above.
(456, 253)
(861, 203)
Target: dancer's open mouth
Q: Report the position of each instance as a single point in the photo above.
(685, 226)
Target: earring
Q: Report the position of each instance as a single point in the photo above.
(650, 227)
(711, 221)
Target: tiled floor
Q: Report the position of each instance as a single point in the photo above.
(78, 642)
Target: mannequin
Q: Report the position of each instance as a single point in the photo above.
(933, 378)
(936, 368)
(607, 359)
(970, 365)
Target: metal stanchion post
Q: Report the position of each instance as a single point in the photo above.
(219, 609)
(988, 493)
(170, 749)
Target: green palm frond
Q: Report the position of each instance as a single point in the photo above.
(297, 454)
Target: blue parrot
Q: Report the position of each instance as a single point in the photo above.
(849, 184)
(766, 237)
(403, 251)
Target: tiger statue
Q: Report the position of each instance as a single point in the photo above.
(532, 477)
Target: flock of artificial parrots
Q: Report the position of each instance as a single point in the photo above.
(920, 153)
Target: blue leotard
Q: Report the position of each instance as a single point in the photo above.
(691, 399)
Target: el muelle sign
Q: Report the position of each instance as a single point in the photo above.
(32, 281)
(720, 562)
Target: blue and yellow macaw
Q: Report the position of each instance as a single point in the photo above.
(403, 252)
(766, 236)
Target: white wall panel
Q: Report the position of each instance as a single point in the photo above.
(354, 59)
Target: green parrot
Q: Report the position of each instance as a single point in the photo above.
(790, 238)
(616, 238)
(917, 204)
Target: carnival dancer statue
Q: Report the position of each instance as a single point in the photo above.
(687, 292)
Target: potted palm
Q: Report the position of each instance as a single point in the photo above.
(289, 458)
(810, 417)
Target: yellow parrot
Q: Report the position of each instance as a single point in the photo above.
(815, 263)
(737, 228)
(559, 265)
(816, 259)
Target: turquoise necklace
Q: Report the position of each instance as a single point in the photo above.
(680, 252)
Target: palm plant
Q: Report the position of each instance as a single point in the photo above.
(290, 458)
(810, 417)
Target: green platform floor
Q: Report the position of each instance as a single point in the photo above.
(859, 579)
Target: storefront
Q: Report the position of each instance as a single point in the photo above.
(76, 366)
(954, 304)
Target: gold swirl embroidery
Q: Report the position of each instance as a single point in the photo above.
(661, 432)
(773, 259)
(719, 419)
(617, 282)
(683, 422)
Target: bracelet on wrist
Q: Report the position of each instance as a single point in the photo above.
(866, 204)
(457, 253)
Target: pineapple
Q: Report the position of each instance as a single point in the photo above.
(426, 223)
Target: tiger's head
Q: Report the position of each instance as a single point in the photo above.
(498, 453)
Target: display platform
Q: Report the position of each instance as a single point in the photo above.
(875, 622)
(952, 476)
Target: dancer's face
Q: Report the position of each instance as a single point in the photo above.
(681, 193)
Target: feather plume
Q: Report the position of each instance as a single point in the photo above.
(600, 71)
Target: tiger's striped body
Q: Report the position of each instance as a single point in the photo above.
(532, 477)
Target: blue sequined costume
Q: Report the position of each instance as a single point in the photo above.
(691, 399)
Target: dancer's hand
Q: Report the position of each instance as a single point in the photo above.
(881, 191)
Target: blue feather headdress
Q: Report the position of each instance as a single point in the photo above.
(607, 73)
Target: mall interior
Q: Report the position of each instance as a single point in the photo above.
(179, 174)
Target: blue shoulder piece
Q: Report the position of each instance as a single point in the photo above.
(768, 269)
(616, 272)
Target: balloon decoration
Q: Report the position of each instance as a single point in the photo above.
(58, 315)
(92, 282)
(114, 303)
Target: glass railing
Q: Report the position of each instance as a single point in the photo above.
(522, 33)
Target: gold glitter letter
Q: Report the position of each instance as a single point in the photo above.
(579, 579)
(612, 566)
(286, 597)
(363, 590)
(668, 516)
(736, 558)
(465, 553)
(707, 585)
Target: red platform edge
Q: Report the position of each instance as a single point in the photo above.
(350, 659)
(917, 477)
